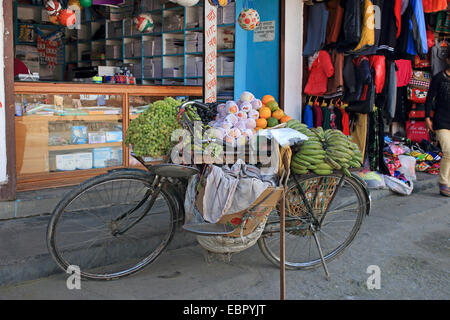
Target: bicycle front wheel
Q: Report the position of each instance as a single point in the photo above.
(111, 226)
(340, 209)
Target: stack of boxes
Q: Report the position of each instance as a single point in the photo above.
(149, 5)
(225, 66)
(226, 15)
(152, 67)
(194, 42)
(174, 46)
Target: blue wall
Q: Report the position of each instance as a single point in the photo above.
(257, 63)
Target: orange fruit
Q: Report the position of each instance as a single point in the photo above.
(265, 113)
(285, 119)
(261, 123)
(278, 114)
(267, 98)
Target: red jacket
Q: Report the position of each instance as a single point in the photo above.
(319, 72)
(378, 62)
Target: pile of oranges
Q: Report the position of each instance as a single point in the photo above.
(270, 114)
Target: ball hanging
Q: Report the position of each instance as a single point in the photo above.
(53, 7)
(144, 22)
(249, 19)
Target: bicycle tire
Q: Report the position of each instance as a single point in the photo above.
(272, 252)
(56, 247)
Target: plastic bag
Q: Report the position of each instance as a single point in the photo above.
(408, 167)
(398, 186)
(373, 179)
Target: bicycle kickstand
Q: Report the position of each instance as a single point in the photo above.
(324, 264)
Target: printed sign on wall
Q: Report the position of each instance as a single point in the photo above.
(210, 59)
(264, 32)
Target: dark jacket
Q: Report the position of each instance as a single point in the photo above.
(350, 34)
(438, 99)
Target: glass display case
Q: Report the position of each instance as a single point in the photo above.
(66, 133)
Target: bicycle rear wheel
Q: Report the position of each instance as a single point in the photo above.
(109, 226)
(345, 208)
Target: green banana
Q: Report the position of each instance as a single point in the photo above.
(298, 167)
(308, 159)
(346, 172)
(338, 154)
(301, 162)
(324, 166)
(323, 172)
(300, 171)
(313, 152)
(354, 164)
(333, 163)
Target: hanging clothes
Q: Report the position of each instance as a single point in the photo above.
(326, 118)
(345, 122)
(350, 34)
(391, 91)
(359, 132)
(398, 16)
(402, 41)
(335, 18)
(349, 74)
(443, 22)
(363, 75)
(332, 117)
(316, 29)
(335, 86)
(404, 72)
(378, 63)
(417, 38)
(378, 27)
(368, 31)
(388, 37)
(438, 56)
(434, 5)
(308, 116)
(401, 108)
(320, 70)
(338, 118)
(318, 117)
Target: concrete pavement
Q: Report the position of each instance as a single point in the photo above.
(408, 238)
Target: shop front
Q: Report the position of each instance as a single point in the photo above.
(76, 88)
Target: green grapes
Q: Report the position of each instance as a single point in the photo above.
(150, 132)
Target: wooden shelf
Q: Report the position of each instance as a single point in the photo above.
(70, 118)
(84, 146)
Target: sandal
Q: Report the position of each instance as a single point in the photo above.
(444, 190)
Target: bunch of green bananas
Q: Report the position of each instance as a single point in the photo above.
(341, 153)
(324, 151)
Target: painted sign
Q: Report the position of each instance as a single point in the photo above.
(210, 58)
(264, 32)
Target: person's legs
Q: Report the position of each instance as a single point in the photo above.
(443, 137)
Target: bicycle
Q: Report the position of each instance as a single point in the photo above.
(115, 224)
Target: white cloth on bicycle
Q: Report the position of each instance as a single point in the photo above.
(231, 190)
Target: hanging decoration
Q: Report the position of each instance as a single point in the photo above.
(86, 3)
(186, 3)
(67, 17)
(144, 22)
(53, 7)
(74, 5)
(249, 19)
(219, 3)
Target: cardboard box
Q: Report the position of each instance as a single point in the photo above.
(101, 157)
(83, 160)
(66, 162)
(97, 137)
(79, 135)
